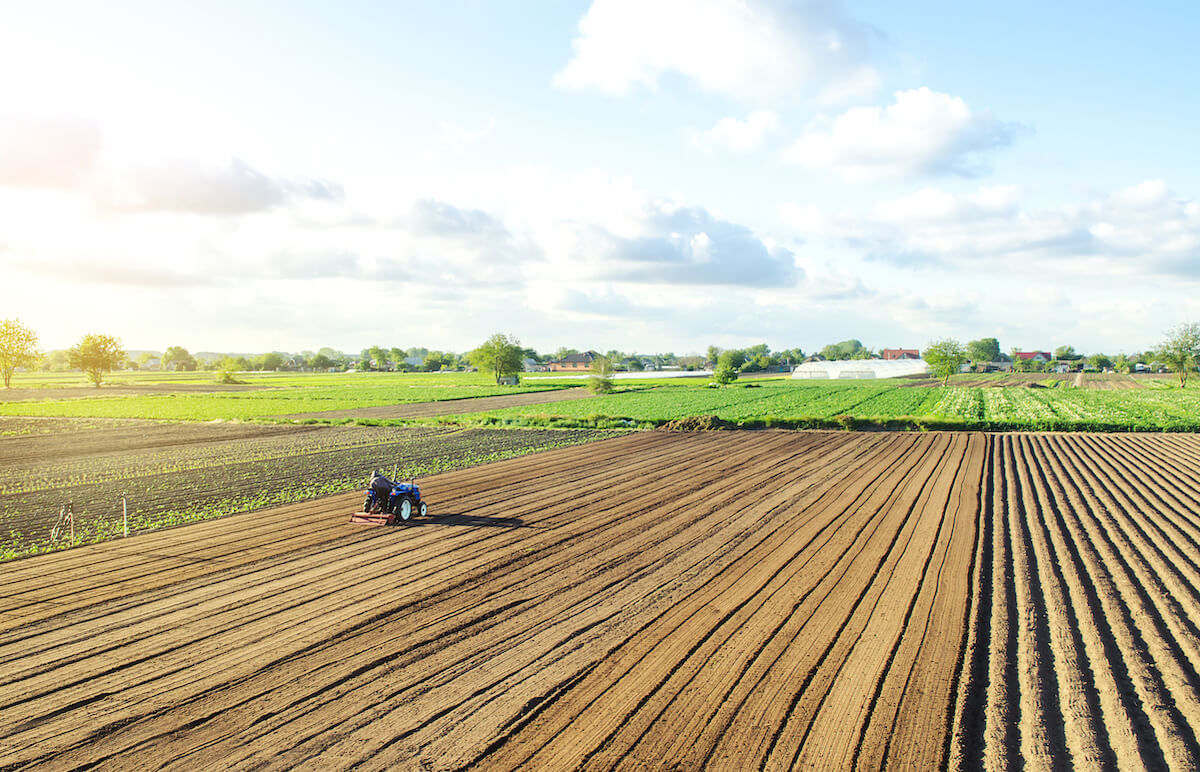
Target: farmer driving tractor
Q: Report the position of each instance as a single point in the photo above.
(382, 487)
(389, 503)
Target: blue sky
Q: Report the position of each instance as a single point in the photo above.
(645, 176)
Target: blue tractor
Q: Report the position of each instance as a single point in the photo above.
(389, 503)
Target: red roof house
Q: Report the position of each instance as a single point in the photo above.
(573, 362)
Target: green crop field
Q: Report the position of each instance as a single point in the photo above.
(874, 404)
(978, 402)
(281, 394)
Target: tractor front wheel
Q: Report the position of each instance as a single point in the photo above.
(367, 504)
(422, 509)
(404, 508)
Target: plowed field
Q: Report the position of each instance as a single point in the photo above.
(1085, 643)
(726, 600)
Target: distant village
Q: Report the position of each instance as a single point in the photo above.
(759, 358)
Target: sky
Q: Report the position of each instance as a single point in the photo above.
(649, 175)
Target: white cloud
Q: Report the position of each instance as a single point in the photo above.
(226, 187)
(591, 227)
(72, 156)
(922, 133)
(744, 49)
(581, 231)
(1143, 230)
(735, 135)
(934, 205)
(680, 245)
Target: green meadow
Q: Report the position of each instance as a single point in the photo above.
(1156, 405)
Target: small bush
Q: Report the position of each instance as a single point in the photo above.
(698, 423)
(845, 421)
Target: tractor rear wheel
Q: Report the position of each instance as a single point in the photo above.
(404, 508)
(422, 509)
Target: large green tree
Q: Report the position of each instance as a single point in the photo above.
(847, 349)
(379, 357)
(272, 360)
(945, 357)
(18, 348)
(500, 355)
(178, 358)
(96, 354)
(436, 360)
(790, 356)
(1181, 350)
(983, 350)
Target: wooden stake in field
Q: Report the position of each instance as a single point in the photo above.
(125, 514)
(62, 516)
(66, 519)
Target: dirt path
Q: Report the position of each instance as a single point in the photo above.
(726, 600)
(452, 406)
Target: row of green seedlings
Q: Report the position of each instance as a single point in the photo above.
(66, 533)
(189, 460)
(852, 422)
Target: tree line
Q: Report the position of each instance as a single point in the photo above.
(503, 355)
(1178, 352)
(94, 354)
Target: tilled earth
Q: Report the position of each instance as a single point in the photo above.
(723, 600)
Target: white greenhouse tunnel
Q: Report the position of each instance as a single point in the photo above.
(861, 368)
